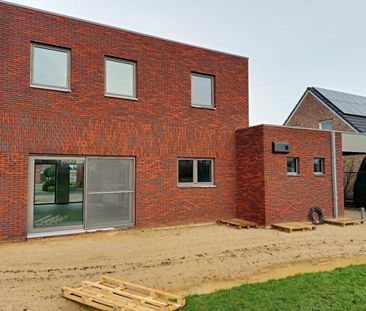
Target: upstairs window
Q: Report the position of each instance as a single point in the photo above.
(292, 166)
(318, 166)
(202, 88)
(326, 125)
(50, 67)
(120, 78)
(195, 172)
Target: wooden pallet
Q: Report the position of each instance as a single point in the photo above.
(238, 223)
(343, 221)
(293, 226)
(111, 294)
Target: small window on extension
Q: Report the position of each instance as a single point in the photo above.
(292, 166)
(318, 166)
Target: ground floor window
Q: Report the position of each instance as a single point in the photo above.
(195, 172)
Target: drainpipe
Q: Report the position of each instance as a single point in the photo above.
(334, 173)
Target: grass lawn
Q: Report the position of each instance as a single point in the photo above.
(341, 289)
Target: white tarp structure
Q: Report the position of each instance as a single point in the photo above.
(353, 143)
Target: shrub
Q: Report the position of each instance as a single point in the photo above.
(48, 183)
(51, 189)
(50, 171)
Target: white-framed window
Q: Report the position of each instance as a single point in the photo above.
(326, 125)
(120, 78)
(195, 172)
(202, 90)
(292, 166)
(318, 166)
(50, 67)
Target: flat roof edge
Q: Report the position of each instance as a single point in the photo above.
(122, 29)
(293, 128)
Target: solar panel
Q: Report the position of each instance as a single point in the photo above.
(347, 103)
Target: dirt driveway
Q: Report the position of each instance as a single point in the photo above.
(33, 272)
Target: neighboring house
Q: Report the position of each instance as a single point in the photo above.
(329, 110)
(104, 128)
(333, 110)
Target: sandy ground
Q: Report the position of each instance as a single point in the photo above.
(32, 273)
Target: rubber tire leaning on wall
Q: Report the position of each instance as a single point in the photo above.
(316, 210)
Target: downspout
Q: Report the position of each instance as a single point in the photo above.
(334, 173)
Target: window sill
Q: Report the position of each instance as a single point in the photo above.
(50, 88)
(319, 174)
(196, 186)
(202, 107)
(293, 175)
(121, 97)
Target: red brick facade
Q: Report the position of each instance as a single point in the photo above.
(156, 129)
(266, 194)
(250, 174)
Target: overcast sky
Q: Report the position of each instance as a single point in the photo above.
(291, 44)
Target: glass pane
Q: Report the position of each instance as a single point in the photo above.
(120, 78)
(106, 205)
(202, 91)
(44, 183)
(58, 193)
(204, 171)
(50, 67)
(318, 166)
(185, 171)
(291, 165)
(326, 125)
(109, 174)
(109, 209)
(76, 182)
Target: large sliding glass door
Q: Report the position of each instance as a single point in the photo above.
(110, 192)
(60, 200)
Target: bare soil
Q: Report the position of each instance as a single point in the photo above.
(178, 259)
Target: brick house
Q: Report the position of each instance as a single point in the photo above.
(105, 128)
(327, 109)
(333, 110)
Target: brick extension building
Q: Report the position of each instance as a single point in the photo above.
(105, 128)
(333, 110)
(268, 192)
